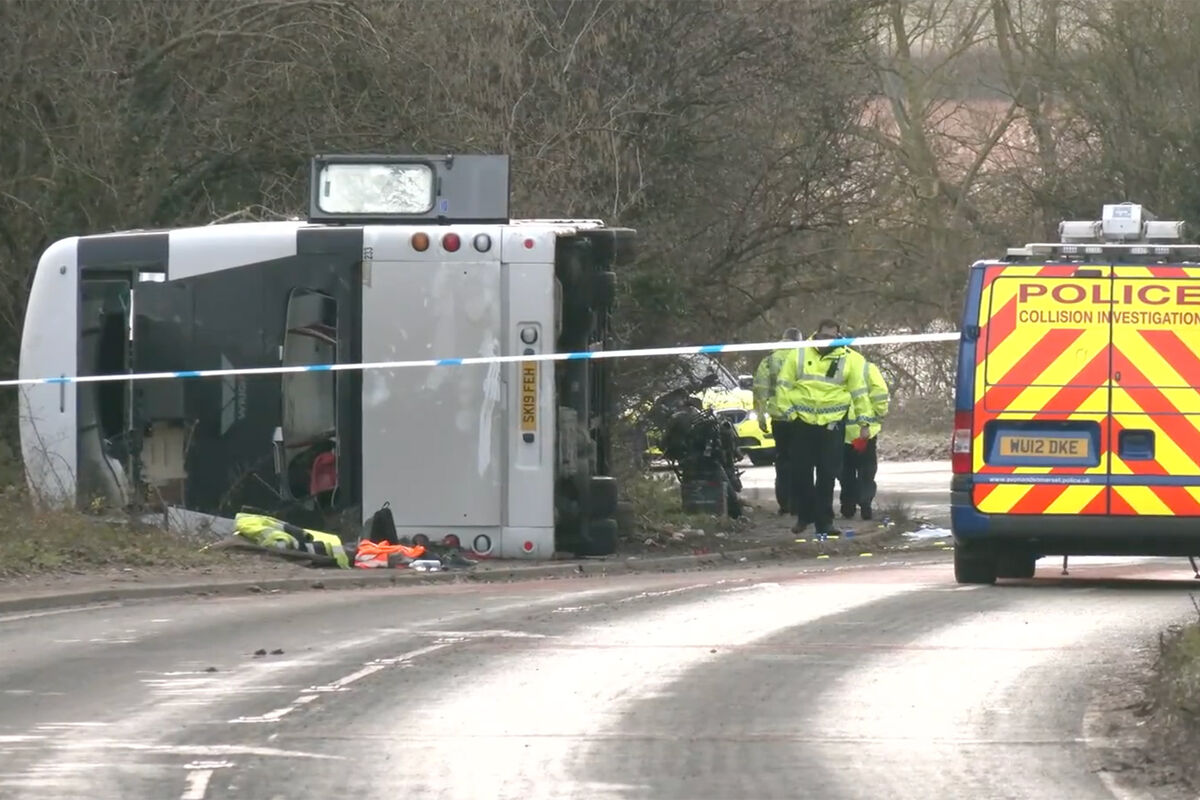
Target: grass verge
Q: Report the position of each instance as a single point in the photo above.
(1171, 703)
(38, 542)
(657, 503)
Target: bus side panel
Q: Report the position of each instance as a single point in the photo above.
(1155, 401)
(1041, 390)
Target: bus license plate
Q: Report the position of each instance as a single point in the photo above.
(1048, 447)
(529, 399)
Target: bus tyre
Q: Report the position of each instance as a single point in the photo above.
(602, 496)
(1015, 565)
(760, 459)
(974, 564)
(599, 538)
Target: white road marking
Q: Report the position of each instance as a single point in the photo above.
(485, 634)
(357, 675)
(370, 668)
(16, 617)
(196, 749)
(768, 586)
(197, 784)
(199, 774)
(641, 596)
(270, 716)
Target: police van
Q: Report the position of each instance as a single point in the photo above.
(1077, 404)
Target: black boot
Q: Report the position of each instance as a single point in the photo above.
(848, 512)
(866, 512)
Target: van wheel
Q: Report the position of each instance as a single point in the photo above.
(1016, 565)
(974, 564)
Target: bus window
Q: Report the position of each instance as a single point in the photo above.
(309, 428)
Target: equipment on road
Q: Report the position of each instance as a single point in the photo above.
(1077, 399)
(401, 257)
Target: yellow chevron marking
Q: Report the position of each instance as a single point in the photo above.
(1143, 500)
(1074, 499)
(1004, 497)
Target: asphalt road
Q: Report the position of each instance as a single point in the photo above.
(844, 681)
(924, 486)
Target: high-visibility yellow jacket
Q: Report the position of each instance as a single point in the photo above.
(823, 389)
(877, 393)
(271, 532)
(766, 380)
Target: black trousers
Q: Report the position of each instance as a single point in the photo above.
(815, 448)
(782, 430)
(858, 476)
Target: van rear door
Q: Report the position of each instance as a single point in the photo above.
(1041, 421)
(1155, 426)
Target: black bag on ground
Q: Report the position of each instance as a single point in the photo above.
(383, 526)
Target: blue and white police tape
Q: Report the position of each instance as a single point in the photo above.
(908, 338)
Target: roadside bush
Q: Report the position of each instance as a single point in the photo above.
(1173, 700)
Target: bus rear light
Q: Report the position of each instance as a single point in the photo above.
(482, 242)
(529, 244)
(451, 242)
(961, 444)
(420, 242)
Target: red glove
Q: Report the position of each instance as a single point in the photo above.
(860, 445)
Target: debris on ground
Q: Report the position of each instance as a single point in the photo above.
(378, 547)
(927, 531)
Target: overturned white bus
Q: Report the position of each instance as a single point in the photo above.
(401, 258)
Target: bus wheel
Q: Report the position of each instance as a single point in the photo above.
(599, 540)
(973, 564)
(1016, 565)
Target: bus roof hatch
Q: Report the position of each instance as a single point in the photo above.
(379, 188)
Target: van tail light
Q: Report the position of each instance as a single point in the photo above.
(960, 444)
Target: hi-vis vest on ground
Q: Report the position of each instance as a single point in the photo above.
(1077, 403)
(270, 532)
